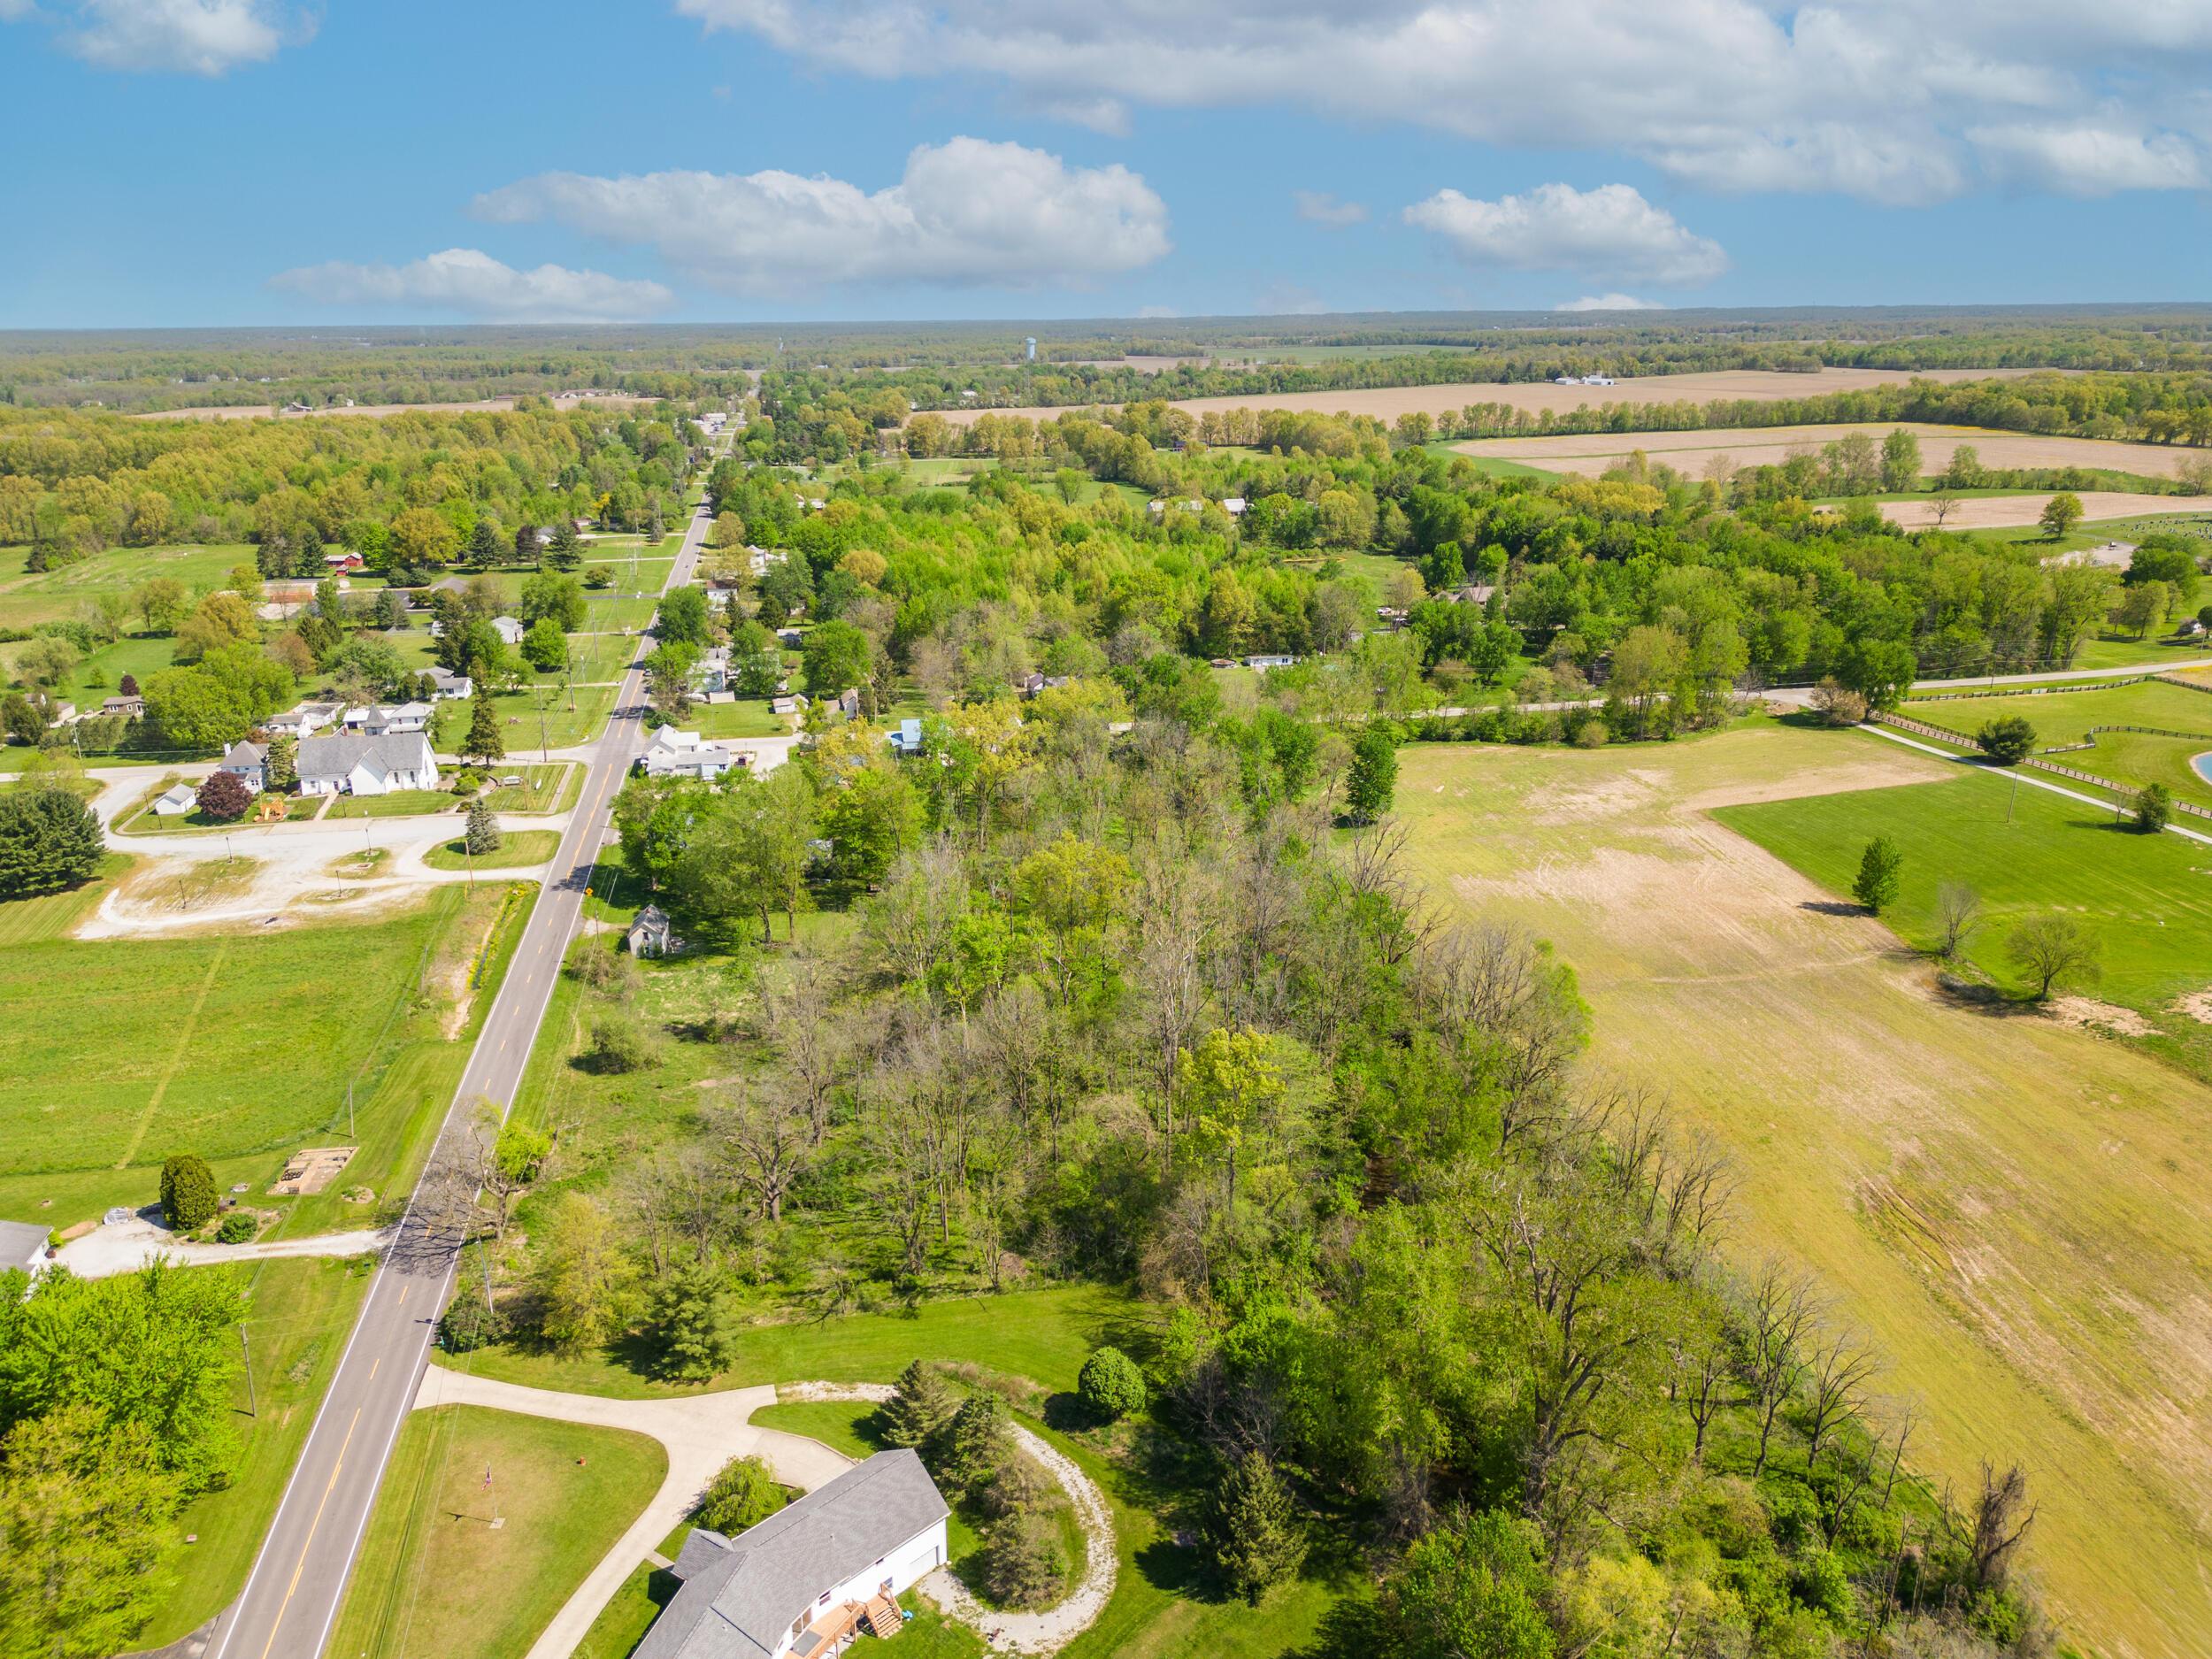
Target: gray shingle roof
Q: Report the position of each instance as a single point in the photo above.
(334, 757)
(242, 754)
(740, 1595)
(20, 1241)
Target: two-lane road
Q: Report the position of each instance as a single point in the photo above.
(293, 1594)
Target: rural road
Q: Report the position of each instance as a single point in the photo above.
(298, 1581)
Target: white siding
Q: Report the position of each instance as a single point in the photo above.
(905, 1566)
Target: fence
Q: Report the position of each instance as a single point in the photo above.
(2186, 685)
(2046, 691)
(1958, 739)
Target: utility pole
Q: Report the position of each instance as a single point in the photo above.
(253, 1408)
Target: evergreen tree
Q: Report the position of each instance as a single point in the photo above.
(279, 764)
(1252, 1529)
(528, 549)
(486, 547)
(973, 1444)
(484, 741)
(923, 1405)
(566, 552)
(482, 834)
(49, 839)
(689, 1317)
(1880, 869)
(188, 1191)
(1110, 1384)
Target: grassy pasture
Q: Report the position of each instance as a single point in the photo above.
(564, 727)
(2130, 759)
(434, 1577)
(28, 597)
(116, 1053)
(747, 716)
(2013, 1212)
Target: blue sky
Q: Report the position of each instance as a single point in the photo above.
(216, 162)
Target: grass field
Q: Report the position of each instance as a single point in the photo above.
(238, 1046)
(747, 716)
(300, 1313)
(519, 849)
(2147, 898)
(28, 597)
(395, 804)
(564, 727)
(2130, 759)
(50, 916)
(435, 1577)
(2014, 1212)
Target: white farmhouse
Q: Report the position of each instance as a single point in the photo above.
(388, 719)
(249, 762)
(674, 754)
(509, 630)
(809, 1576)
(366, 766)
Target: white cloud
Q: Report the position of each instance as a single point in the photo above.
(1897, 100)
(1609, 302)
(966, 212)
(1321, 208)
(1608, 232)
(471, 283)
(1290, 299)
(2090, 160)
(198, 37)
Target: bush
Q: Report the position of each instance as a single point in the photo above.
(2008, 742)
(469, 1324)
(237, 1228)
(1112, 1385)
(2154, 809)
(1019, 1564)
(224, 797)
(618, 1045)
(188, 1191)
(743, 1495)
(1839, 705)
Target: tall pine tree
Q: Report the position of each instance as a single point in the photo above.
(484, 742)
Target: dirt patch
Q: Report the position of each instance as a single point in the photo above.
(311, 1169)
(2088, 1014)
(1985, 512)
(2197, 1006)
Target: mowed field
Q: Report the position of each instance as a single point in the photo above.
(2016, 1213)
(1588, 454)
(1389, 402)
(2130, 759)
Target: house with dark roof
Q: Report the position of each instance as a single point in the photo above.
(366, 766)
(808, 1577)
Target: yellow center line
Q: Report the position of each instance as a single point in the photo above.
(309, 1542)
(404, 1290)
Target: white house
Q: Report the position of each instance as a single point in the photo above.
(908, 739)
(366, 766)
(248, 761)
(674, 754)
(176, 800)
(1597, 379)
(444, 683)
(307, 719)
(23, 1244)
(388, 719)
(509, 630)
(809, 1576)
(1270, 659)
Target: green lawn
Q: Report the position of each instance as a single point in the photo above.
(28, 597)
(600, 658)
(608, 612)
(2145, 896)
(563, 727)
(300, 1313)
(747, 716)
(51, 915)
(1044, 1335)
(240, 1046)
(2130, 759)
(435, 1577)
(519, 849)
(98, 674)
(396, 804)
(543, 789)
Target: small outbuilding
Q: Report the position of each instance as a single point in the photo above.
(650, 934)
(176, 801)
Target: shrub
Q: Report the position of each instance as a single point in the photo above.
(237, 1228)
(618, 1045)
(188, 1191)
(2154, 809)
(469, 1324)
(1838, 704)
(1112, 1385)
(224, 797)
(2008, 742)
(743, 1495)
(1019, 1564)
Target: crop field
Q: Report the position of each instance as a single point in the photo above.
(436, 1577)
(2099, 507)
(115, 1053)
(2013, 1211)
(2130, 759)
(1690, 452)
(1389, 402)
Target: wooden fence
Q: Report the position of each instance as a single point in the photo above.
(1958, 739)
